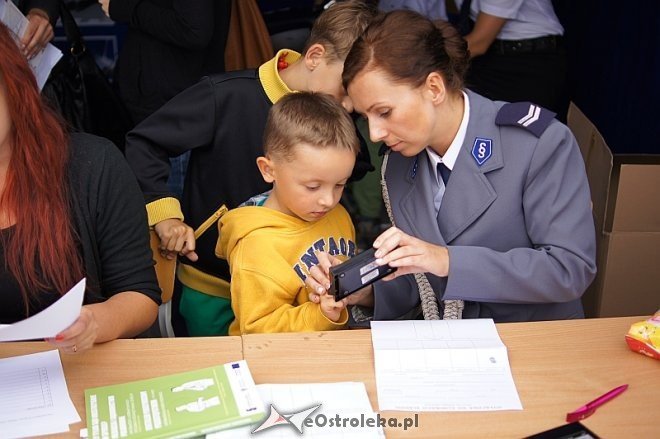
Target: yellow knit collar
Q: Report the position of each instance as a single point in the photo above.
(270, 78)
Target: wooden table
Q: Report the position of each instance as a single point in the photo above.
(557, 367)
(129, 360)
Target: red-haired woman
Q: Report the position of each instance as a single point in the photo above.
(69, 208)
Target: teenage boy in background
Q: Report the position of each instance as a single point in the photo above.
(221, 121)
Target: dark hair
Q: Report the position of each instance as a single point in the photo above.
(40, 251)
(338, 27)
(315, 119)
(407, 47)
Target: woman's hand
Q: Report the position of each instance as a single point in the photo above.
(176, 238)
(410, 255)
(123, 315)
(80, 336)
(37, 34)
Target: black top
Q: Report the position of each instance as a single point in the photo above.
(11, 301)
(165, 48)
(221, 120)
(111, 225)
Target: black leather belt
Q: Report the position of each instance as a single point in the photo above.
(541, 44)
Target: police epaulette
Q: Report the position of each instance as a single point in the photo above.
(525, 115)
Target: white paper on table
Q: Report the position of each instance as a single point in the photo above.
(442, 365)
(49, 322)
(35, 399)
(343, 399)
(44, 61)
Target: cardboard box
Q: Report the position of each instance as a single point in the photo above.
(625, 192)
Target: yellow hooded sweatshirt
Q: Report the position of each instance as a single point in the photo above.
(269, 255)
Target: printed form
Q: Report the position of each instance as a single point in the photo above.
(35, 399)
(347, 401)
(442, 365)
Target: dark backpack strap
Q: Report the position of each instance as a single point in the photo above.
(71, 30)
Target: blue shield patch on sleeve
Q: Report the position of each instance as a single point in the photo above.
(482, 150)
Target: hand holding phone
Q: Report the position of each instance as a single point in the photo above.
(356, 273)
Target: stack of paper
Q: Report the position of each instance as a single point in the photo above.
(442, 365)
(34, 397)
(315, 410)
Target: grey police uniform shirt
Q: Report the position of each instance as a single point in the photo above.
(515, 217)
(524, 19)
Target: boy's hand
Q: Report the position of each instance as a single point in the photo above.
(330, 308)
(176, 238)
(318, 281)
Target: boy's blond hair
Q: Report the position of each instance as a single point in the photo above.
(339, 26)
(314, 119)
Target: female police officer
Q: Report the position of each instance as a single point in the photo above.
(489, 201)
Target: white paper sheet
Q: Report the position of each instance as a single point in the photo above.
(35, 399)
(442, 365)
(346, 400)
(49, 322)
(43, 62)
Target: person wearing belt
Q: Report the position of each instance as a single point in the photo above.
(517, 53)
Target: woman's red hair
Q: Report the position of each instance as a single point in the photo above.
(41, 252)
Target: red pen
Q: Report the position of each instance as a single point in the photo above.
(586, 410)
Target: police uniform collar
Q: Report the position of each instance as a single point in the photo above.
(481, 128)
(450, 156)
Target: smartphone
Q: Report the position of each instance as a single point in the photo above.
(358, 272)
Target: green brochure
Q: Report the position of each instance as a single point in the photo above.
(175, 406)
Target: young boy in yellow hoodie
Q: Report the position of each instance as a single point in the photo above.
(310, 146)
(220, 120)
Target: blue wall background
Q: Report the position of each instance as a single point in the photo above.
(614, 56)
(614, 70)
